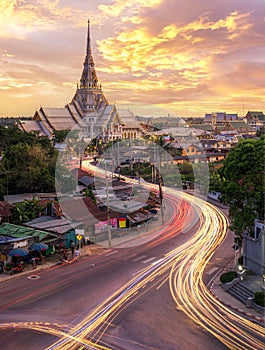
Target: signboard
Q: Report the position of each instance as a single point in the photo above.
(79, 237)
(166, 138)
(122, 222)
(103, 225)
(21, 244)
(79, 231)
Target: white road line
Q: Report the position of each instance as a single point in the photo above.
(148, 260)
(113, 252)
(140, 257)
(212, 270)
(157, 261)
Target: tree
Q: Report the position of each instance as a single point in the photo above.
(243, 183)
(26, 211)
(29, 169)
(89, 193)
(260, 131)
(59, 136)
(65, 180)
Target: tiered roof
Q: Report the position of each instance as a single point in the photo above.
(88, 104)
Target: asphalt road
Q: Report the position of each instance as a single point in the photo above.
(61, 296)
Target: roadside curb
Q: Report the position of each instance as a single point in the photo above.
(250, 316)
(46, 266)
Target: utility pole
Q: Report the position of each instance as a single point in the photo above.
(161, 197)
(108, 209)
(108, 216)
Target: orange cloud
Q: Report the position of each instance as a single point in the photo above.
(176, 54)
(120, 6)
(19, 18)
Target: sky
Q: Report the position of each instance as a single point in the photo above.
(155, 57)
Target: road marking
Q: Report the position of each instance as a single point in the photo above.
(157, 261)
(34, 277)
(139, 258)
(113, 252)
(212, 270)
(148, 260)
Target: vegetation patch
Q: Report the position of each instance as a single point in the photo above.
(228, 276)
(259, 298)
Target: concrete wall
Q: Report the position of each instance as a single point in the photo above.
(254, 250)
(214, 195)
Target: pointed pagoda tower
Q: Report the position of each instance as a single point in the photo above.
(89, 96)
(88, 110)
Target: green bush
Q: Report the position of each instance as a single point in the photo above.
(259, 298)
(228, 276)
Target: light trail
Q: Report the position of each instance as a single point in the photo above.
(184, 267)
(193, 297)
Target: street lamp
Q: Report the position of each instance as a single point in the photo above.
(241, 272)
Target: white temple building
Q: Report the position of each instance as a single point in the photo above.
(89, 109)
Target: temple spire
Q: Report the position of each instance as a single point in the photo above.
(89, 96)
(89, 78)
(88, 47)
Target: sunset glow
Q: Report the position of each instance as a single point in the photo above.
(185, 58)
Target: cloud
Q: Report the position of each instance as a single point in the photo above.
(164, 52)
(120, 6)
(19, 18)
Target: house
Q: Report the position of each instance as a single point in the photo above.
(62, 227)
(204, 130)
(215, 156)
(209, 144)
(242, 127)
(227, 132)
(15, 236)
(181, 159)
(216, 150)
(191, 150)
(207, 150)
(255, 119)
(18, 198)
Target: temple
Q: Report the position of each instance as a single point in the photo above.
(89, 110)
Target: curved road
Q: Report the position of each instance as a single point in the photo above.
(182, 267)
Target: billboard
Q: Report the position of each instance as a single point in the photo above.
(103, 225)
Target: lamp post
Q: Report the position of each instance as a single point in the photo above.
(108, 209)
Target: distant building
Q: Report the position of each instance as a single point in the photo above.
(255, 120)
(89, 110)
(219, 118)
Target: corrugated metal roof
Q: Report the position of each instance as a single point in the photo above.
(51, 224)
(17, 231)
